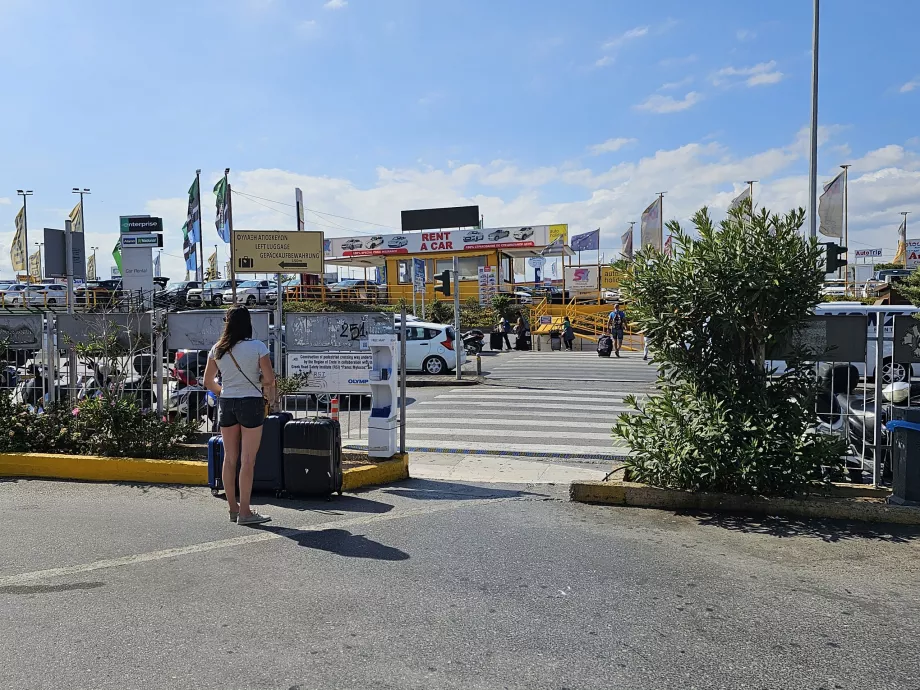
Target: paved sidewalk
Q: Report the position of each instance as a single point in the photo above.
(497, 469)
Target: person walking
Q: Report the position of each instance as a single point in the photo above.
(520, 334)
(568, 333)
(504, 327)
(616, 323)
(240, 362)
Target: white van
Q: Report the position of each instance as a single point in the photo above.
(892, 372)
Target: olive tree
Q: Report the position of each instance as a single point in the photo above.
(712, 311)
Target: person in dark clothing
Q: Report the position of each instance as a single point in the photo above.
(520, 333)
(504, 327)
(616, 323)
(568, 334)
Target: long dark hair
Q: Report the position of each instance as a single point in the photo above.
(238, 326)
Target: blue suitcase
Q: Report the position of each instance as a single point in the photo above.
(268, 476)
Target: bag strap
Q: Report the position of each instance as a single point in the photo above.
(258, 388)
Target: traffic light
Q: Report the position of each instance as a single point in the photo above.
(833, 257)
(442, 283)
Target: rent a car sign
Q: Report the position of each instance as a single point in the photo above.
(443, 241)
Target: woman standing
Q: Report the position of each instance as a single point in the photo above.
(241, 363)
(568, 333)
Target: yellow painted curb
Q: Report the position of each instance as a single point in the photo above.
(373, 475)
(99, 469)
(854, 507)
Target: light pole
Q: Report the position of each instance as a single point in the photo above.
(25, 223)
(81, 192)
(95, 267)
(813, 157)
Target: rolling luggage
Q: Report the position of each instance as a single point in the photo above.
(495, 341)
(313, 457)
(268, 475)
(555, 340)
(604, 346)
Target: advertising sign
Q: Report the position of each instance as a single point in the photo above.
(868, 253)
(142, 241)
(488, 284)
(309, 332)
(143, 224)
(536, 262)
(55, 257)
(418, 275)
(581, 278)
(906, 339)
(610, 278)
(443, 241)
(137, 270)
(278, 251)
(557, 231)
(435, 218)
(913, 254)
(332, 372)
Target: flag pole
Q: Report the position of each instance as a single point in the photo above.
(813, 152)
(661, 220)
(904, 213)
(229, 221)
(200, 223)
(846, 223)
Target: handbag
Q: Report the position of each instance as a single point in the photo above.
(258, 388)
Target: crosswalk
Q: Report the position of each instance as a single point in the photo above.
(571, 366)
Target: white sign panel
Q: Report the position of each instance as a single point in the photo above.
(536, 262)
(332, 372)
(913, 253)
(442, 241)
(868, 253)
(581, 278)
(488, 284)
(137, 270)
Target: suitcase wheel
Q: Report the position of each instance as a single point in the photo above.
(279, 493)
(215, 492)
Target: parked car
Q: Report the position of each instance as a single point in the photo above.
(211, 294)
(271, 296)
(397, 242)
(251, 292)
(432, 347)
(176, 295)
(473, 236)
(37, 296)
(522, 294)
(355, 289)
(99, 293)
(522, 234)
(351, 245)
(374, 242)
(497, 235)
(10, 288)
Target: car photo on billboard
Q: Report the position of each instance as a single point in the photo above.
(374, 242)
(473, 236)
(397, 242)
(523, 234)
(497, 235)
(351, 245)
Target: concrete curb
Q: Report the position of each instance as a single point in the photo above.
(844, 504)
(184, 472)
(602, 457)
(442, 381)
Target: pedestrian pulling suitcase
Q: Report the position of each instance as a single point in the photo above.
(268, 474)
(313, 457)
(604, 346)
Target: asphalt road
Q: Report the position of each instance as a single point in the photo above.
(440, 585)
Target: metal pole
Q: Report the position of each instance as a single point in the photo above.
(661, 221)
(880, 319)
(402, 380)
(813, 155)
(459, 341)
(230, 222)
(68, 262)
(158, 315)
(904, 213)
(846, 224)
(25, 223)
(200, 226)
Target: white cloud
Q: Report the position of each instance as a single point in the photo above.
(910, 86)
(336, 4)
(656, 103)
(675, 84)
(758, 75)
(308, 28)
(5, 201)
(625, 37)
(610, 146)
(745, 35)
(604, 61)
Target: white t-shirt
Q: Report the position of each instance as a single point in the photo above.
(233, 383)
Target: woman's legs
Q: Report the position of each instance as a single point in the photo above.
(252, 438)
(231, 436)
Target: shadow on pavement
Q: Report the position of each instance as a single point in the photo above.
(48, 589)
(826, 530)
(341, 542)
(339, 505)
(429, 490)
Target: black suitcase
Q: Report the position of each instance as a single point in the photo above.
(496, 341)
(268, 474)
(312, 457)
(604, 346)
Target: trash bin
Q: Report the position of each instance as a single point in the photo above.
(905, 452)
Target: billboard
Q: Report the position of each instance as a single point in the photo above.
(437, 218)
(517, 237)
(913, 254)
(581, 278)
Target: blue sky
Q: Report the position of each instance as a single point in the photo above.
(539, 111)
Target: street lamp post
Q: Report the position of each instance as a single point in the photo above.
(813, 157)
(95, 267)
(81, 192)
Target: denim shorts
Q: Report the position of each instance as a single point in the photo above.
(617, 333)
(247, 412)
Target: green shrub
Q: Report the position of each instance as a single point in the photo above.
(711, 313)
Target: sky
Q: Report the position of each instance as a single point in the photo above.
(538, 111)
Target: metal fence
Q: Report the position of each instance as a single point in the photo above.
(866, 375)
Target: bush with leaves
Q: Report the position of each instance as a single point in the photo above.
(910, 288)
(712, 312)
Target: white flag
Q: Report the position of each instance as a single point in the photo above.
(830, 208)
(651, 225)
(738, 200)
(627, 240)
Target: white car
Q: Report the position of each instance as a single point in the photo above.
(523, 233)
(431, 347)
(397, 242)
(211, 294)
(251, 292)
(37, 296)
(374, 242)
